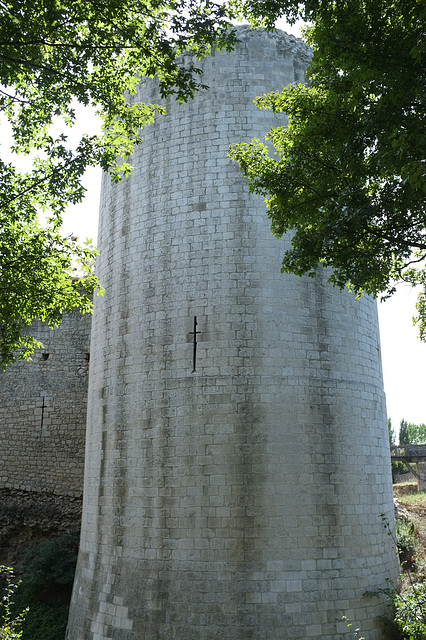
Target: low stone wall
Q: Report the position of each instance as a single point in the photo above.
(27, 518)
(404, 477)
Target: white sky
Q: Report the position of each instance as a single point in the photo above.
(404, 359)
(404, 356)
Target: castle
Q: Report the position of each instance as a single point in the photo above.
(237, 457)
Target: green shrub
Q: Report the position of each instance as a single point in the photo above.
(406, 542)
(48, 572)
(410, 612)
(44, 621)
(49, 569)
(398, 467)
(11, 624)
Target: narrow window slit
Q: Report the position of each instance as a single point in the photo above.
(194, 349)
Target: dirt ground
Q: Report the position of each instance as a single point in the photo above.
(411, 504)
(411, 500)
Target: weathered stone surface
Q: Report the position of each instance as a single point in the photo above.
(241, 500)
(43, 412)
(27, 518)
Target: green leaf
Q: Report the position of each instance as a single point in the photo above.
(347, 178)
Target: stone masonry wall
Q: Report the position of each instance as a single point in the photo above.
(43, 412)
(191, 528)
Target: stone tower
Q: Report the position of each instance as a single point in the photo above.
(237, 450)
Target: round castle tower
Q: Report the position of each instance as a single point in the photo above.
(237, 449)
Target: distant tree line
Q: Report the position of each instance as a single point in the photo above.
(409, 433)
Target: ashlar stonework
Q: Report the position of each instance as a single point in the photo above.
(43, 412)
(234, 482)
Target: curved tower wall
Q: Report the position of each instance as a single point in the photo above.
(243, 499)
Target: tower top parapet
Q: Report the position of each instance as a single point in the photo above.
(287, 41)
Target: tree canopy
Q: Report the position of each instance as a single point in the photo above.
(55, 54)
(347, 178)
(410, 433)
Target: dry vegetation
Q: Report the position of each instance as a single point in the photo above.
(409, 604)
(411, 504)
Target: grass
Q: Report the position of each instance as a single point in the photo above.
(416, 499)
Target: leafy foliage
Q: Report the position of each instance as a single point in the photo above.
(50, 566)
(11, 625)
(53, 55)
(410, 433)
(404, 437)
(410, 612)
(45, 620)
(391, 432)
(398, 468)
(408, 604)
(405, 541)
(48, 572)
(348, 175)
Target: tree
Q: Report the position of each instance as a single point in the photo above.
(348, 175)
(398, 467)
(410, 433)
(391, 432)
(53, 55)
(404, 437)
